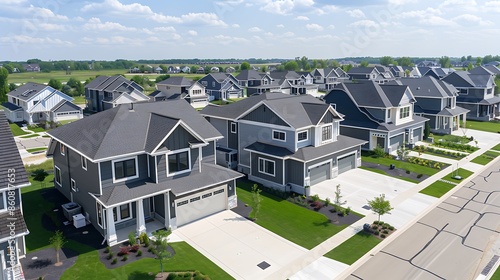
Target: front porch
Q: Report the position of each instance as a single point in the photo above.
(151, 225)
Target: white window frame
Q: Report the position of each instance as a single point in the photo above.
(233, 125)
(4, 198)
(101, 218)
(178, 152)
(331, 134)
(62, 149)
(402, 110)
(388, 113)
(126, 178)
(119, 214)
(55, 176)
(263, 171)
(84, 163)
(279, 131)
(307, 135)
(73, 185)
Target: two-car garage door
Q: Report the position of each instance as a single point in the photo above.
(200, 205)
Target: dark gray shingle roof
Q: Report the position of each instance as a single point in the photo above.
(9, 156)
(429, 86)
(28, 90)
(11, 106)
(177, 81)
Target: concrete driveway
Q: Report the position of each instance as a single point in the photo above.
(358, 185)
(238, 245)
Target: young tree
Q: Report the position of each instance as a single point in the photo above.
(264, 68)
(380, 205)
(56, 84)
(402, 152)
(470, 66)
(386, 60)
(338, 202)
(4, 84)
(256, 200)
(57, 242)
(478, 61)
(445, 62)
(161, 247)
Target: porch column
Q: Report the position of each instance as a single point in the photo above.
(141, 224)
(111, 232)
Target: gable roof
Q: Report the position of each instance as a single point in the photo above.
(251, 74)
(10, 158)
(429, 86)
(177, 81)
(107, 83)
(362, 70)
(284, 75)
(119, 131)
(480, 70)
(493, 69)
(28, 90)
(367, 94)
(395, 93)
(298, 111)
(466, 80)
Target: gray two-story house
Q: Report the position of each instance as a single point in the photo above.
(221, 86)
(437, 101)
(257, 82)
(286, 142)
(476, 94)
(141, 167)
(327, 78)
(383, 115)
(106, 92)
(13, 228)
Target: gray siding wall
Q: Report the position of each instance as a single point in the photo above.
(328, 118)
(294, 172)
(278, 166)
(377, 113)
(179, 139)
(231, 188)
(208, 153)
(356, 133)
(310, 140)
(250, 134)
(107, 173)
(264, 115)
(232, 138)
(63, 163)
(152, 168)
(473, 95)
(221, 126)
(432, 104)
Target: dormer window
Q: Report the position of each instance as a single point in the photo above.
(326, 133)
(302, 136)
(178, 162)
(404, 112)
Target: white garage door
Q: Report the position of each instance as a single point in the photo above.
(347, 163)
(200, 205)
(319, 173)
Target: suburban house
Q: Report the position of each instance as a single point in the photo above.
(200, 70)
(142, 167)
(221, 86)
(436, 72)
(291, 82)
(327, 78)
(230, 69)
(257, 82)
(493, 69)
(186, 69)
(13, 177)
(214, 69)
(173, 69)
(379, 74)
(405, 71)
(33, 67)
(37, 103)
(105, 92)
(476, 94)
(437, 101)
(283, 141)
(382, 115)
(181, 88)
(428, 63)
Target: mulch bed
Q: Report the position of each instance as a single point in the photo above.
(41, 264)
(396, 171)
(132, 256)
(381, 230)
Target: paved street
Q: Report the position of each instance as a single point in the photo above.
(455, 240)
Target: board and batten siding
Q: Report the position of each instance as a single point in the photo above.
(294, 172)
(328, 118)
(152, 168)
(161, 166)
(278, 168)
(221, 126)
(208, 153)
(431, 104)
(179, 139)
(359, 133)
(232, 138)
(264, 115)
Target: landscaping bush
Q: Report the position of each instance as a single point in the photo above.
(385, 232)
(110, 255)
(382, 235)
(378, 152)
(107, 249)
(135, 248)
(420, 176)
(187, 275)
(317, 205)
(143, 238)
(125, 258)
(391, 228)
(348, 211)
(327, 201)
(315, 198)
(198, 277)
(115, 260)
(131, 238)
(374, 227)
(375, 222)
(172, 276)
(139, 253)
(407, 171)
(376, 232)
(124, 251)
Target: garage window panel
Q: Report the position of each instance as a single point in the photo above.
(219, 191)
(267, 167)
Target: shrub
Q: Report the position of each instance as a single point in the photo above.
(376, 232)
(420, 176)
(385, 232)
(378, 152)
(142, 237)
(384, 227)
(110, 255)
(382, 235)
(317, 205)
(375, 222)
(124, 258)
(391, 228)
(135, 247)
(115, 260)
(107, 249)
(139, 253)
(123, 251)
(407, 171)
(315, 198)
(188, 275)
(327, 201)
(198, 277)
(172, 276)
(131, 238)
(374, 227)
(348, 210)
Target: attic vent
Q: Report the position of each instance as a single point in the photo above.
(418, 88)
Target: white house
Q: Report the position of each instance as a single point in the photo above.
(37, 103)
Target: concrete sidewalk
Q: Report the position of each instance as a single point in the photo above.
(402, 203)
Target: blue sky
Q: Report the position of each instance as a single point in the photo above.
(160, 29)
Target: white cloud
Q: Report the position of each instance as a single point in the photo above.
(95, 24)
(326, 9)
(176, 36)
(12, 2)
(437, 21)
(455, 3)
(419, 13)
(45, 14)
(164, 29)
(268, 34)
(254, 29)
(331, 26)
(472, 19)
(192, 33)
(314, 27)
(288, 34)
(51, 27)
(113, 40)
(356, 13)
(284, 7)
(235, 25)
(226, 40)
(363, 23)
(280, 26)
(24, 39)
(302, 18)
(493, 6)
(229, 3)
(117, 7)
(401, 2)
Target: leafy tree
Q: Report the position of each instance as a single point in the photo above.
(407, 73)
(314, 64)
(470, 66)
(463, 59)
(161, 78)
(405, 61)
(12, 86)
(380, 206)
(39, 175)
(291, 65)
(264, 68)
(402, 152)
(386, 60)
(304, 63)
(445, 62)
(72, 82)
(163, 68)
(280, 67)
(469, 57)
(363, 63)
(138, 80)
(256, 200)
(478, 61)
(427, 130)
(161, 247)
(55, 84)
(57, 242)
(66, 89)
(334, 64)
(347, 67)
(9, 68)
(245, 66)
(79, 88)
(4, 84)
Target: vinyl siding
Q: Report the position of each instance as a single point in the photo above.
(356, 133)
(264, 115)
(429, 104)
(179, 139)
(208, 153)
(328, 118)
(162, 166)
(152, 168)
(107, 173)
(377, 113)
(278, 167)
(222, 127)
(232, 138)
(294, 172)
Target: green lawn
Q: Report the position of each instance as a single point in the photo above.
(353, 248)
(41, 77)
(79, 99)
(88, 266)
(384, 173)
(30, 136)
(46, 165)
(412, 167)
(295, 223)
(439, 188)
(36, 128)
(485, 158)
(451, 138)
(16, 130)
(496, 275)
(496, 148)
(491, 126)
(34, 150)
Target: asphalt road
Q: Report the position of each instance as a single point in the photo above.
(456, 240)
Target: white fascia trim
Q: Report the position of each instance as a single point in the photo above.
(72, 148)
(264, 154)
(256, 106)
(268, 125)
(264, 172)
(319, 164)
(178, 152)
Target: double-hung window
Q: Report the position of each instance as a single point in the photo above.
(279, 135)
(326, 133)
(84, 162)
(125, 169)
(302, 135)
(122, 212)
(57, 176)
(267, 167)
(404, 112)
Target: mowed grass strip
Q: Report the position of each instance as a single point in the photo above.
(440, 188)
(485, 158)
(353, 248)
(412, 167)
(290, 221)
(16, 130)
(491, 126)
(385, 173)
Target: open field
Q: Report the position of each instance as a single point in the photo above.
(41, 77)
